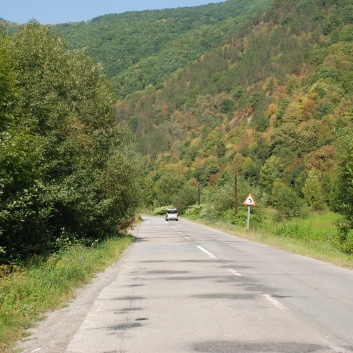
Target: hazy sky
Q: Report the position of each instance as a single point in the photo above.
(63, 11)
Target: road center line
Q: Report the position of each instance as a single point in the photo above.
(235, 273)
(207, 252)
(275, 302)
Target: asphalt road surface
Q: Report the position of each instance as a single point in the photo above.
(186, 288)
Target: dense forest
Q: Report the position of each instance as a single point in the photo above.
(68, 172)
(272, 106)
(139, 49)
(254, 92)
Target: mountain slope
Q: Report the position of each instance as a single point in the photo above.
(270, 101)
(138, 49)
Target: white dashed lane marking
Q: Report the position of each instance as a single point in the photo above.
(275, 302)
(234, 272)
(207, 252)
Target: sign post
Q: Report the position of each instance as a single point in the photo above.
(250, 202)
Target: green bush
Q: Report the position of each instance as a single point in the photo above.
(345, 235)
(161, 211)
(195, 211)
(286, 201)
(256, 217)
(347, 244)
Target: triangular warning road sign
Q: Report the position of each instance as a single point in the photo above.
(249, 201)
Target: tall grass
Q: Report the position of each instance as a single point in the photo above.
(44, 285)
(316, 236)
(316, 228)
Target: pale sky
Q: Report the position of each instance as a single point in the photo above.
(64, 11)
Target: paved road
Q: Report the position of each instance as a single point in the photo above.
(185, 288)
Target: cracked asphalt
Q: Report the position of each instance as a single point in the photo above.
(186, 288)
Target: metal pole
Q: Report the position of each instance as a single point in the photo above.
(248, 223)
(235, 190)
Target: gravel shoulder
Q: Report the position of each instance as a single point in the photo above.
(55, 331)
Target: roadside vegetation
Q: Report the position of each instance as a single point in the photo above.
(67, 169)
(316, 235)
(41, 284)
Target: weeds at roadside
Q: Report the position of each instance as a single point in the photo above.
(42, 285)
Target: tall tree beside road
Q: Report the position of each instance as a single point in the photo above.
(66, 107)
(344, 196)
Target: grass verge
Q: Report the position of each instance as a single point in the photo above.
(29, 292)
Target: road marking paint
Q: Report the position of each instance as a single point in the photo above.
(235, 273)
(187, 238)
(36, 350)
(334, 348)
(275, 302)
(207, 252)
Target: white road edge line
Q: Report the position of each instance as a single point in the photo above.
(275, 302)
(334, 348)
(36, 350)
(235, 273)
(207, 252)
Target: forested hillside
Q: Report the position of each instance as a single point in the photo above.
(253, 93)
(68, 173)
(273, 104)
(138, 49)
(4, 22)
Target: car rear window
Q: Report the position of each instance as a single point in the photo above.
(172, 211)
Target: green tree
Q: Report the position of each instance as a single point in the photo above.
(20, 166)
(249, 170)
(221, 149)
(223, 198)
(271, 171)
(167, 187)
(344, 189)
(343, 200)
(286, 142)
(7, 86)
(187, 196)
(73, 167)
(313, 191)
(286, 201)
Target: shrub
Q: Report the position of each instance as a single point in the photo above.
(286, 201)
(161, 211)
(195, 211)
